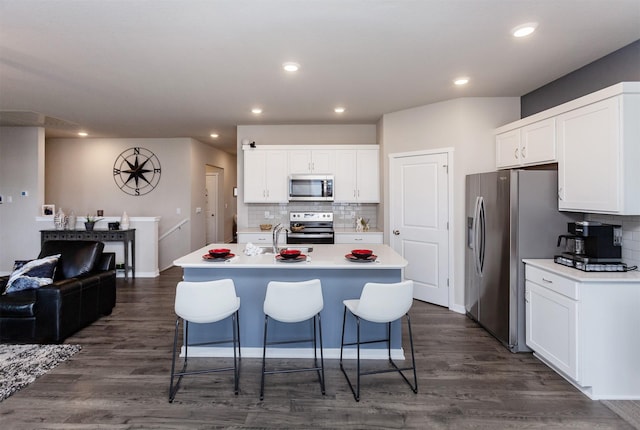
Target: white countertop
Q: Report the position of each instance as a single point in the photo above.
(580, 276)
(322, 257)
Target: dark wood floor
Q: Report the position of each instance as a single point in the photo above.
(120, 378)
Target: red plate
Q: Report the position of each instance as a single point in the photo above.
(300, 257)
(210, 257)
(369, 259)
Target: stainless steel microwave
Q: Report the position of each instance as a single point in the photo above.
(311, 188)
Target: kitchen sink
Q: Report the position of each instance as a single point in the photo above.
(269, 249)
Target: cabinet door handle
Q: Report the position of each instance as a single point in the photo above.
(547, 281)
(515, 153)
(523, 152)
(396, 232)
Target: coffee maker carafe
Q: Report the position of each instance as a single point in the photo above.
(573, 245)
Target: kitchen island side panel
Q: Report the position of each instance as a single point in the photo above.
(337, 285)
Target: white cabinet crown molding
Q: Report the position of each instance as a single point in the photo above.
(605, 93)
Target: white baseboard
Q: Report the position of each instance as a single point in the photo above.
(458, 308)
(329, 353)
(120, 274)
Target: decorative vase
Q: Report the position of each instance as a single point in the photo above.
(89, 225)
(71, 221)
(59, 220)
(124, 221)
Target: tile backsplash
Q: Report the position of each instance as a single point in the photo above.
(344, 214)
(630, 235)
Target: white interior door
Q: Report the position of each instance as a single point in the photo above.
(419, 219)
(212, 207)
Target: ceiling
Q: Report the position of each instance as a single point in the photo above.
(188, 68)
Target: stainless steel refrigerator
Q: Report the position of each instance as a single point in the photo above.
(510, 215)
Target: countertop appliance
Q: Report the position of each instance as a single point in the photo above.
(511, 215)
(311, 188)
(601, 249)
(310, 228)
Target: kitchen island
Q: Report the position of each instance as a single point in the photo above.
(341, 279)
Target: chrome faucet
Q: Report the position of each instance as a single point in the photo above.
(276, 232)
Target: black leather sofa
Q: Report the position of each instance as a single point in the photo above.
(83, 289)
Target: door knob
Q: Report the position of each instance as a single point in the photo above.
(396, 232)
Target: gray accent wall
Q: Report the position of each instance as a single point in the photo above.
(622, 65)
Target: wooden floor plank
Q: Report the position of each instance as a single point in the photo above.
(466, 380)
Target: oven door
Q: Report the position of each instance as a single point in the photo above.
(309, 238)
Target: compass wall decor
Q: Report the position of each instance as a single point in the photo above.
(137, 171)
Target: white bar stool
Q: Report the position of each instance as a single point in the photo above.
(380, 303)
(294, 302)
(203, 303)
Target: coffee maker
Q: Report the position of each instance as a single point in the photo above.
(592, 246)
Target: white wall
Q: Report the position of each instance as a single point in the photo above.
(79, 177)
(21, 169)
(464, 124)
(203, 156)
(329, 134)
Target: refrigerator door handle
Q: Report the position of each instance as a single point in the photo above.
(475, 235)
(482, 243)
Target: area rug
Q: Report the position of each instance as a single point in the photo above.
(20, 365)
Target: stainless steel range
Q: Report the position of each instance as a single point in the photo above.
(310, 227)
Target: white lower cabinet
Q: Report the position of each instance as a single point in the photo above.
(585, 326)
(551, 327)
(261, 239)
(358, 237)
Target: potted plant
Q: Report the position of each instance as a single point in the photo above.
(90, 222)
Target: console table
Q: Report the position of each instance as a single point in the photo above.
(127, 237)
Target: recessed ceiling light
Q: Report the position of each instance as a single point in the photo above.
(291, 67)
(256, 111)
(461, 81)
(215, 135)
(339, 109)
(524, 29)
(83, 134)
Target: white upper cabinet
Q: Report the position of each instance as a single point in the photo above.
(318, 161)
(265, 180)
(357, 176)
(599, 166)
(595, 140)
(527, 145)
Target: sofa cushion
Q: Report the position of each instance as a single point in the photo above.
(18, 305)
(77, 257)
(33, 274)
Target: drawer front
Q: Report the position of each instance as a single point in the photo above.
(256, 238)
(554, 282)
(358, 238)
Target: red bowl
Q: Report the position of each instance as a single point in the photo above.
(219, 252)
(290, 253)
(361, 253)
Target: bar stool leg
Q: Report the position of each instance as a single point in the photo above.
(172, 390)
(315, 362)
(264, 357)
(236, 375)
(358, 360)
